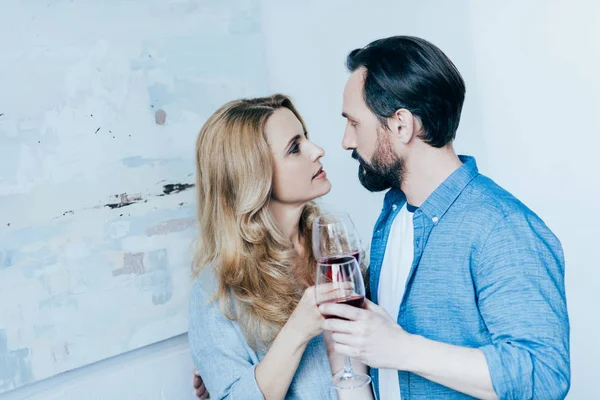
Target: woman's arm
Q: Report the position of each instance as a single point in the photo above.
(282, 359)
(219, 350)
(222, 358)
(277, 369)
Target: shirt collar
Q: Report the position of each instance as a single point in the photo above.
(438, 202)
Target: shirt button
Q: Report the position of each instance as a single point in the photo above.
(435, 220)
(394, 207)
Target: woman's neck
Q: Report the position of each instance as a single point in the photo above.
(287, 217)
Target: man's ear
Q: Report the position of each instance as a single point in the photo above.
(404, 125)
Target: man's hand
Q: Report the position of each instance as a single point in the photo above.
(201, 391)
(370, 335)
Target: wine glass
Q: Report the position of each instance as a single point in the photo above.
(336, 246)
(334, 234)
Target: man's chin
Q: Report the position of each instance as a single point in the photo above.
(371, 183)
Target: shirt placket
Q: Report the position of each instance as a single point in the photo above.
(422, 229)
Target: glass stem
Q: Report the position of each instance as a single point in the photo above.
(348, 371)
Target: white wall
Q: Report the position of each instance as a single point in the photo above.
(531, 69)
(531, 72)
(540, 122)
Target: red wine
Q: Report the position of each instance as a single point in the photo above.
(354, 301)
(340, 259)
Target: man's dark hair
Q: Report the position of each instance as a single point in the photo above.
(411, 73)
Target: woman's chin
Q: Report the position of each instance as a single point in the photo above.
(324, 187)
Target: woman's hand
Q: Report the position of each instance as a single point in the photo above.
(306, 318)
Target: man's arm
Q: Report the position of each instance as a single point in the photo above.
(199, 387)
(520, 285)
(375, 339)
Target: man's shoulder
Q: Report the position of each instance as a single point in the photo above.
(489, 205)
(485, 195)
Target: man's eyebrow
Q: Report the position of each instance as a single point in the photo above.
(345, 115)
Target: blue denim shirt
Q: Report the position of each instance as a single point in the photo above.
(226, 362)
(488, 274)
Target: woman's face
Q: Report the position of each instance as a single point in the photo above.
(298, 175)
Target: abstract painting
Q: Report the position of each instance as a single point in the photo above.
(100, 106)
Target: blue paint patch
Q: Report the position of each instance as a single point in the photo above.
(156, 261)
(47, 331)
(20, 237)
(15, 365)
(137, 161)
(134, 162)
(158, 95)
(146, 62)
(7, 258)
(62, 300)
(157, 279)
(30, 263)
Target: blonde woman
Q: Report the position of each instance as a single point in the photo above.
(255, 330)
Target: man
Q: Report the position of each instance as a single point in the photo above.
(467, 283)
(199, 387)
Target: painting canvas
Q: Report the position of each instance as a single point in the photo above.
(100, 105)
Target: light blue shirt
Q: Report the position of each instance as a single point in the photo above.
(226, 362)
(488, 274)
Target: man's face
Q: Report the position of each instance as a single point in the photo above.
(371, 144)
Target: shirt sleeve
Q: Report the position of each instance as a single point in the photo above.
(219, 351)
(521, 296)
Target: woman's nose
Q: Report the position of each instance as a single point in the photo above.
(318, 152)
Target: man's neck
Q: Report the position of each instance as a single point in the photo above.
(427, 168)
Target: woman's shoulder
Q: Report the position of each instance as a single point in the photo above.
(205, 286)
(205, 310)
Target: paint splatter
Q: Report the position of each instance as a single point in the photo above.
(176, 188)
(160, 117)
(133, 263)
(126, 200)
(166, 227)
(157, 279)
(97, 130)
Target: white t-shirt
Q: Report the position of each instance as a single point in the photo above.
(397, 261)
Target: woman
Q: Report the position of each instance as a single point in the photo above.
(255, 330)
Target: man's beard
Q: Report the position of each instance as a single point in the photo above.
(378, 176)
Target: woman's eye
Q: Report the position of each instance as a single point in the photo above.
(295, 149)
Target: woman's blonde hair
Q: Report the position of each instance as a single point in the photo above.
(261, 277)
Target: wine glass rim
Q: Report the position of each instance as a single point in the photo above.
(338, 213)
(351, 260)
